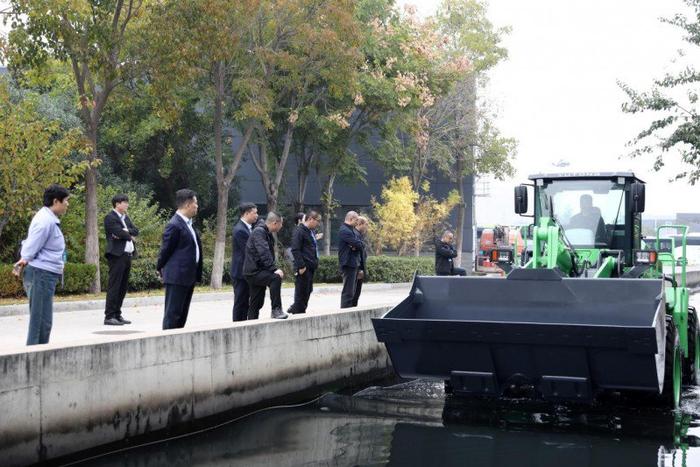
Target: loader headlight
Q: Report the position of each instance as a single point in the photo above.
(502, 256)
(645, 257)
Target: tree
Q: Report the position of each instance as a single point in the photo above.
(204, 45)
(673, 102)
(93, 37)
(34, 153)
(304, 56)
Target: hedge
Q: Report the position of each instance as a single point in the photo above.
(379, 268)
(77, 277)
(76, 280)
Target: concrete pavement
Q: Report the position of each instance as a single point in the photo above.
(85, 325)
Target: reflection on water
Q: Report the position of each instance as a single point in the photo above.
(412, 424)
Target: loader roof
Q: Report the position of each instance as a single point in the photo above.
(584, 175)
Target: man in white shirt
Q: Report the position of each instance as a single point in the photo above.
(120, 232)
(180, 260)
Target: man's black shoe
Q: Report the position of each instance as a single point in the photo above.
(122, 320)
(113, 322)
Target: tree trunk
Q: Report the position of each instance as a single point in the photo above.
(327, 201)
(222, 187)
(461, 208)
(92, 245)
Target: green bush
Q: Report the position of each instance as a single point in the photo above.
(379, 268)
(76, 280)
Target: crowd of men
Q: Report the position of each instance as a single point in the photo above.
(254, 267)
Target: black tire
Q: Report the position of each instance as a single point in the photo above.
(667, 398)
(690, 376)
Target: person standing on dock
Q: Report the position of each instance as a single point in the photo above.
(120, 233)
(361, 230)
(260, 268)
(43, 257)
(305, 253)
(241, 233)
(180, 260)
(349, 250)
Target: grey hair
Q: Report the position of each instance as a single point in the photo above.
(351, 215)
(272, 218)
(446, 233)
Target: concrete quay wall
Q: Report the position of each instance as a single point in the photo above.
(56, 400)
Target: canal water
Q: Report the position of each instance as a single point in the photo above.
(414, 424)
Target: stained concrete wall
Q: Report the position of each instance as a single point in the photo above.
(58, 400)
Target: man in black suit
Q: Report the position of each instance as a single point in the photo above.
(445, 253)
(241, 233)
(120, 232)
(180, 260)
(349, 251)
(361, 228)
(305, 253)
(260, 268)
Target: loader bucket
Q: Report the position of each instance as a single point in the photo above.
(532, 333)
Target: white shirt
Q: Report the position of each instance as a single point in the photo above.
(250, 227)
(188, 221)
(129, 247)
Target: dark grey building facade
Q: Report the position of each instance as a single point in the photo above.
(351, 196)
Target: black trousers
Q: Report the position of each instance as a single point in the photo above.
(177, 305)
(119, 268)
(358, 291)
(349, 286)
(455, 272)
(258, 283)
(303, 286)
(241, 299)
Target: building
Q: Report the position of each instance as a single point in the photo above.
(351, 196)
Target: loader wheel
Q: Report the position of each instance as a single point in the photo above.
(691, 364)
(671, 395)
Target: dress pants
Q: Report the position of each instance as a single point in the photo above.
(177, 305)
(358, 291)
(459, 272)
(258, 283)
(241, 299)
(349, 286)
(303, 286)
(119, 267)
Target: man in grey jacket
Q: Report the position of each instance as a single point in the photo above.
(43, 257)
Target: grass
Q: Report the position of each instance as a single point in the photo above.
(144, 293)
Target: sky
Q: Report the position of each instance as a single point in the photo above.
(557, 93)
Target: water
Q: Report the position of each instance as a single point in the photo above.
(413, 424)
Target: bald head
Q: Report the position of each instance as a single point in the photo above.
(351, 218)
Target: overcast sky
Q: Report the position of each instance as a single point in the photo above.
(557, 93)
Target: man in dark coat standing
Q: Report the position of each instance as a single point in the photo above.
(260, 268)
(305, 253)
(349, 251)
(180, 260)
(361, 230)
(241, 233)
(445, 253)
(120, 233)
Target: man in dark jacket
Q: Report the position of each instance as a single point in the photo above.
(241, 233)
(349, 251)
(260, 268)
(180, 260)
(120, 232)
(305, 253)
(445, 253)
(361, 231)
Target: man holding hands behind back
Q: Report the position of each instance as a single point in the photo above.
(349, 250)
(180, 260)
(120, 233)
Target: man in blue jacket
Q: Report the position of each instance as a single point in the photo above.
(180, 260)
(349, 250)
(241, 233)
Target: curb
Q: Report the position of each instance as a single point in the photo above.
(62, 307)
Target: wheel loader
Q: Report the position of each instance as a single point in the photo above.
(593, 310)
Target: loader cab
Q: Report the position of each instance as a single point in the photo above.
(597, 211)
